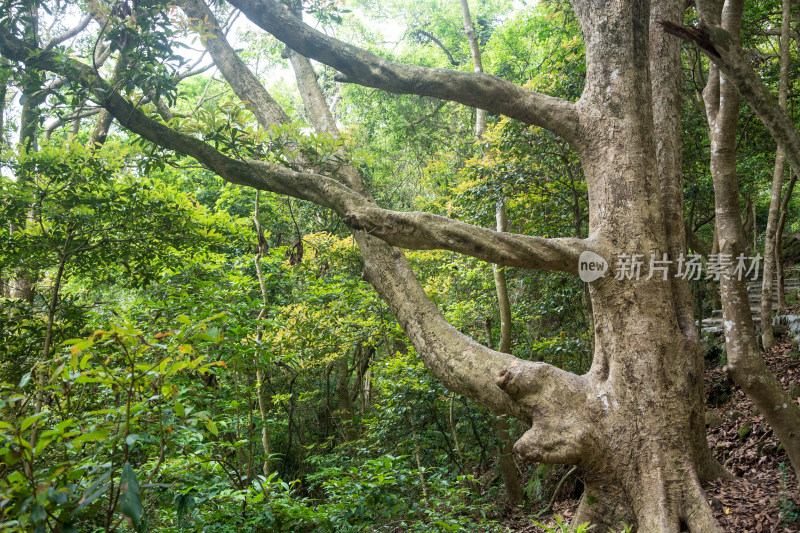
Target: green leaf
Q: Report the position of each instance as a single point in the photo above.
(179, 410)
(130, 503)
(94, 491)
(86, 437)
(131, 439)
(24, 380)
(30, 420)
(212, 427)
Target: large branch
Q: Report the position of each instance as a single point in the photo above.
(730, 58)
(425, 231)
(243, 82)
(356, 65)
(420, 231)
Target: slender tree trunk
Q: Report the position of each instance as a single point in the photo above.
(745, 362)
(771, 251)
(261, 393)
(477, 64)
(454, 430)
(505, 459)
(420, 468)
(779, 242)
(44, 360)
(343, 393)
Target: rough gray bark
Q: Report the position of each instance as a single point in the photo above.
(666, 79)
(771, 252)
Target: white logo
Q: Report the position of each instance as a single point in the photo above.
(591, 266)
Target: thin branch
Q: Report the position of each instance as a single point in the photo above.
(70, 33)
(60, 121)
(440, 45)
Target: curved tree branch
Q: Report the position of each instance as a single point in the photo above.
(70, 33)
(421, 231)
(359, 66)
(439, 43)
(243, 82)
(729, 56)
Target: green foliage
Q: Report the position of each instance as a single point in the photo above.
(111, 397)
(789, 508)
(563, 527)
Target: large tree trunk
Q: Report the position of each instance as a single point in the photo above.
(645, 364)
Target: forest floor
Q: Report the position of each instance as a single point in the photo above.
(763, 496)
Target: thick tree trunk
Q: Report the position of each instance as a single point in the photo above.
(666, 82)
(771, 252)
(645, 336)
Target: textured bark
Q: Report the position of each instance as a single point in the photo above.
(745, 363)
(359, 66)
(771, 252)
(243, 82)
(666, 79)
